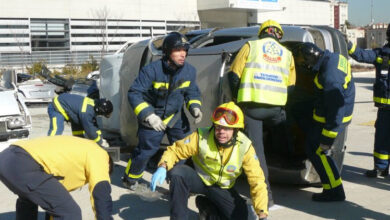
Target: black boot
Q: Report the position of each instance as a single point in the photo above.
(129, 184)
(375, 172)
(330, 195)
(207, 210)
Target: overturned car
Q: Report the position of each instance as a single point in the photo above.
(212, 52)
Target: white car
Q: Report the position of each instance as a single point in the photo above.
(15, 118)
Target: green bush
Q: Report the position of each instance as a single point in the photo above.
(36, 67)
(89, 65)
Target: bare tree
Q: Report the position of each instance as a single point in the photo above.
(102, 18)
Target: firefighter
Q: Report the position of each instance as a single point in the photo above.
(259, 77)
(48, 168)
(333, 106)
(81, 112)
(219, 154)
(157, 96)
(380, 57)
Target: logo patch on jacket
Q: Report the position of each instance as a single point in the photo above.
(231, 168)
(272, 52)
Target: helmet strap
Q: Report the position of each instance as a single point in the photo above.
(230, 143)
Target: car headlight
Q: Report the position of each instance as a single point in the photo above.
(15, 122)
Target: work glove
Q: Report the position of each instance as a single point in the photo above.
(155, 122)
(197, 113)
(158, 176)
(104, 143)
(325, 147)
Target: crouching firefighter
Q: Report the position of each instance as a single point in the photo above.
(48, 168)
(81, 112)
(335, 95)
(157, 96)
(380, 57)
(219, 153)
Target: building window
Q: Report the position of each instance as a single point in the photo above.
(49, 34)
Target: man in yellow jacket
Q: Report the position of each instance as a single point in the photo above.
(260, 77)
(42, 171)
(219, 153)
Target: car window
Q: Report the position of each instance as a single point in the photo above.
(318, 38)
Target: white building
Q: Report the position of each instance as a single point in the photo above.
(72, 26)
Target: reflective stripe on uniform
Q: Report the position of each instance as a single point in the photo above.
(263, 87)
(381, 156)
(193, 101)
(268, 67)
(382, 100)
(59, 108)
(87, 101)
(333, 182)
(158, 85)
(54, 124)
(352, 50)
(166, 121)
(81, 132)
(127, 171)
(318, 84)
(184, 85)
(97, 139)
(140, 107)
(323, 120)
(329, 134)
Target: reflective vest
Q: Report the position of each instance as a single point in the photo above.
(208, 162)
(265, 76)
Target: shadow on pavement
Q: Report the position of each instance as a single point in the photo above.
(298, 199)
(356, 153)
(367, 80)
(356, 175)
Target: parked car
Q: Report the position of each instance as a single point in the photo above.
(35, 90)
(15, 118)
(212, 53)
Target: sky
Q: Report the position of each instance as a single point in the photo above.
(359, 11)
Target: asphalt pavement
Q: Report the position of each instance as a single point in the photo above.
(366, 198)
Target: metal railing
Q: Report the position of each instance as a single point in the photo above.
(50, 58)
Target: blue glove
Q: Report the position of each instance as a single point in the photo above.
(158, 176)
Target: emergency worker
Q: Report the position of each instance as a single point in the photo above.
(380, 58)
(44, 170)
(333, 106)
(259, 77)
(157, 97)
(219, 153)
(81, 112)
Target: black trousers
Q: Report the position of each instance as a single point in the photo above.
(255, 118)
(26, 178)
(184, 180)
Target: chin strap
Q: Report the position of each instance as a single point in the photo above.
(230, 143)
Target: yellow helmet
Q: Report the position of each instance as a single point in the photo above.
(228, 115)
(270, 23)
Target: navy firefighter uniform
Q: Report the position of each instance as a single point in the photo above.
(77, 110)
(380, 58)
(333, 107)
(44, 170)
(161, 90)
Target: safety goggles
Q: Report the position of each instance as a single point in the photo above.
(230, 116)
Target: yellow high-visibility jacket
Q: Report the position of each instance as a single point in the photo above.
(189, 147)
(266, 69)
(77, 161)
